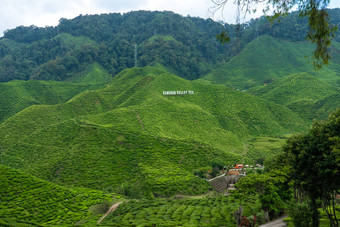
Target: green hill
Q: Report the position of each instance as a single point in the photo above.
(186, 45)
(29, 201)
(302, 93)
(17, 95)
(267, 59)
(130, 131)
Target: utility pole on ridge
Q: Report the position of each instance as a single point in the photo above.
(136, 54)
(2, 159)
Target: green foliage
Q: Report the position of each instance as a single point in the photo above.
(267, 59)
(101, 208)
(27, 200)
(313, 158)
(186, 45)
(54, 58)
(272, 189)
(271, 201)
(131, 131)
(216, 211)
(202, 171)
(321, 31)
(18, 95)
(94, 74)
(302, 93)
(130, 139)
(300, 214)
(223, 37)
(260, 149)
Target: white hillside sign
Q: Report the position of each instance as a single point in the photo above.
(178, 92)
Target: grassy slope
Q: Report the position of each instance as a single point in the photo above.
(267, 58)
(26, 200)
(130, 130)
(18, 95)
(304, 94)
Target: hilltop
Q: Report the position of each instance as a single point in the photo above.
(185, 45)
(130, 131)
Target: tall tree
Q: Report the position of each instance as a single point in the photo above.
(315, 164)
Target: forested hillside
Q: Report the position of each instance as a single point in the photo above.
(187, 46)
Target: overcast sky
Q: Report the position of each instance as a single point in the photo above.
(42, 13)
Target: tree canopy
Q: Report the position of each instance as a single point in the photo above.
(314, 158)
(185, 45)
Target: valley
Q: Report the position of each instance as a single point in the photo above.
(88, 121)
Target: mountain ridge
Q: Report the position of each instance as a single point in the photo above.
(186, 45)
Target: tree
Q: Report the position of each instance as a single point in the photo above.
(321, 30)
(315, 165)
(270, 189)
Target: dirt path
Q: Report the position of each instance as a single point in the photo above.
(277, 223)
(112, 208)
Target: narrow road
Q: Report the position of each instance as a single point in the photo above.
(277, 223)
(112, 208)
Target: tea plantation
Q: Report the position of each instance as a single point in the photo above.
(267, 59)
(214, 211)
(302, 93)
(17, 95)
(26, 200)
(130, 133)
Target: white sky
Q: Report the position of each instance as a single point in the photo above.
(42, 13)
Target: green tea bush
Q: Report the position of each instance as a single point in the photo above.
(28, 199)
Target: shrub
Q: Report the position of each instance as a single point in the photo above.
(301, 214)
